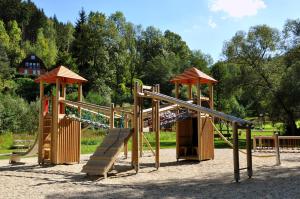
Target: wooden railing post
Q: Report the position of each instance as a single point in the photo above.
(125, 144)
(249, 153)
(276, 142)
(112, 116)
(157, 130)
(236, 163)
(136, 125)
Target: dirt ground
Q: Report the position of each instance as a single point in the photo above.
(183, 179)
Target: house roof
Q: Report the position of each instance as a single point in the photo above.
(192, 76)
(62, 73)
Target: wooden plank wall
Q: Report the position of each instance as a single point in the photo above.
(68, 142)
(207, 140)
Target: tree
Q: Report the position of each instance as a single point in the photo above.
(15, 52)
(4, 38)
(45, 46)
(6, 72)
(253, 52)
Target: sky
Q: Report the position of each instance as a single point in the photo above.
(203, 24)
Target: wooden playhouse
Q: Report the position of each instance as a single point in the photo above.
(195, 133)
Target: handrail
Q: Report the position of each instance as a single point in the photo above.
(223, 116)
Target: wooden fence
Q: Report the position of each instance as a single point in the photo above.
(286, 143)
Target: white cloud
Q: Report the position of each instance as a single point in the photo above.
(237, 8)
(211, 23)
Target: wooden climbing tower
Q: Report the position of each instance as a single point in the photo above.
(195, 134)
(59, 137)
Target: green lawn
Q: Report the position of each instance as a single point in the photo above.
(92, 138)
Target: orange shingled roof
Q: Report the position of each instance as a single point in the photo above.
(191, 76)
(63, 73)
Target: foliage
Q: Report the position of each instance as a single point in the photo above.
(16, 115)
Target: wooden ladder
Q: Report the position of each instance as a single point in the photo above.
(46, 141)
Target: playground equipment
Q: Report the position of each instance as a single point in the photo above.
(203, 146)
(60, 134)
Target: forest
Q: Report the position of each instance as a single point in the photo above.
(259, 72)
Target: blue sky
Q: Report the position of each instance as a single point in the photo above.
(203, 24)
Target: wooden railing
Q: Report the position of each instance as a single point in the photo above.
(285, 143)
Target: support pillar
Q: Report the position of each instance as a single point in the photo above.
(249, 152)
(236, 163)
(79, 112)
(200, 144)
(157, 130)
(112, 116)
(136, 125)
(125, 144)
(41, 123)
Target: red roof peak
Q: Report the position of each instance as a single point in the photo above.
(192, 76)
(63, 73)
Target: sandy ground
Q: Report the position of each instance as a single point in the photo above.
(184, 179)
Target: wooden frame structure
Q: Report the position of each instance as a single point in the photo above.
(59, 137)
(141, 92)
(203, 146)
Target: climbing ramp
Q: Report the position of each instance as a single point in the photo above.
(106, 154)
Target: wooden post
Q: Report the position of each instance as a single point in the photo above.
(176, 90)
(177, 127)
(125, 144)
(249, 152)
(190, 96)
(41, 123)
(157, 131)
(63, 95)
(141, 122)
(211, 105)
(236, 163)
(200, 144)
(79, 112)
(55, 120)
(135, 136)
(211, 95)
(112, 116)
(276, 142)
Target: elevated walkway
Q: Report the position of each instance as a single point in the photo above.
(106, 154)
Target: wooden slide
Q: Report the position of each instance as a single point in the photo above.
(106, 154)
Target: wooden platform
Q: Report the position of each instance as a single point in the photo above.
(106, 154)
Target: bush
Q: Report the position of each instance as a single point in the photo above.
(6, 140)
(16, 115)
(27, 89)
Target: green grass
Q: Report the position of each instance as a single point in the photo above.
(92, 138)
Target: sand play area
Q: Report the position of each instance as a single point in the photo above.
(184, 179)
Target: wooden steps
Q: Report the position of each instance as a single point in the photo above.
(106, 154)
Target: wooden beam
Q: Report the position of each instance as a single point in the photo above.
(55, 120)
(141, 122)
(211, 95)
(236, 164)
(157, 131)
(112, 116)
(223, 116)
(135, 136)
(176, 90)
(199, 122)
(276, 142)
(177, 125)
(41, 123)
(126, 143)
(190, 95)
(80, 96)
(249, 152)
